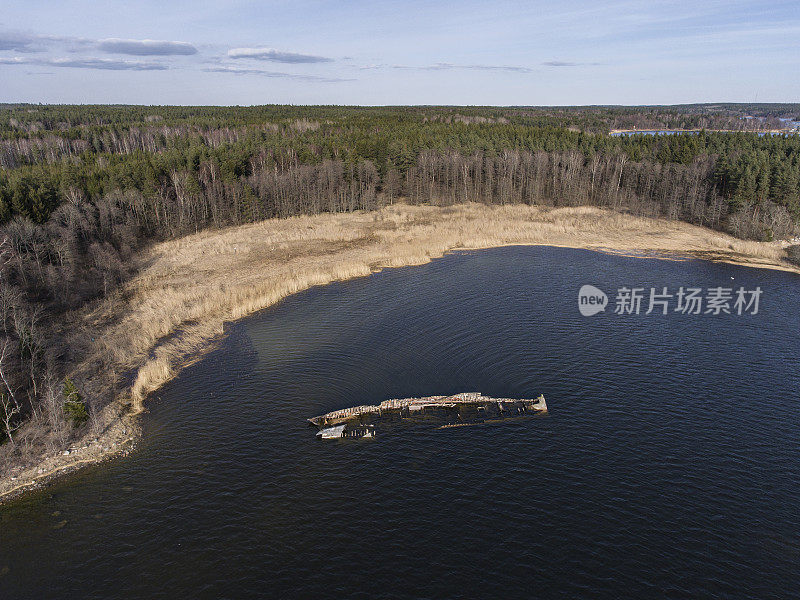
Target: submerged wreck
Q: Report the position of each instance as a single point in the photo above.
(467, 408)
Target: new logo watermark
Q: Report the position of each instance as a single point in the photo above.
(591, 300)
(684, 300)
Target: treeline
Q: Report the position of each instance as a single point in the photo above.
(27, 120)
(63, 248)
(686, 192)
(749, 169)
(83, 188)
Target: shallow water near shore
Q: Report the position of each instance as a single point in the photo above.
(669, 465)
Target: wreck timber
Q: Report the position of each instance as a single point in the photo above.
(407, 407)
(346, 431)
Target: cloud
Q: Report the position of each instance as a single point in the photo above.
(273, 55)
(454, 67)
(106, 64)
(146, 47)
(70, 40)
(29, 42)
(566, 63)
(559, 63)
(19, 42)
(276, 74)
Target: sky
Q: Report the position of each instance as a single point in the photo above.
(554, 52)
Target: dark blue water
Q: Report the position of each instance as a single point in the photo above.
(651, 132)
(668, 467)
(673, 132)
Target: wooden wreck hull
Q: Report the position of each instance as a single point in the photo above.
(410, 407)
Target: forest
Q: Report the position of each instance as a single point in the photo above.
(83, 188)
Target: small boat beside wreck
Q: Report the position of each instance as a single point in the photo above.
(346, 431)
(464, 408)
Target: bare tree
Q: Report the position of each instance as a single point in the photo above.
(8, 398)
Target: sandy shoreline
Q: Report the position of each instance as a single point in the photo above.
(187, 289)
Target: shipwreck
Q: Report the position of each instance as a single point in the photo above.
(468, 408)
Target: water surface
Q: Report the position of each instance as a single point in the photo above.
(679, 132)
(668, 467)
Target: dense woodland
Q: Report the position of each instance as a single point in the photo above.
(84, 187)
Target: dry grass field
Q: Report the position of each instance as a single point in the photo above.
(193, 285)
(188, 288)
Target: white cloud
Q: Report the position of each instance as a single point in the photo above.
(455, 67)
(105, 64)
(271, 54)
(276, 74)
(146, 47)
(19, 42)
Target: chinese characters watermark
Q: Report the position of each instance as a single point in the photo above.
(684, 300)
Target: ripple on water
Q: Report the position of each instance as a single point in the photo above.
(668, 466)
